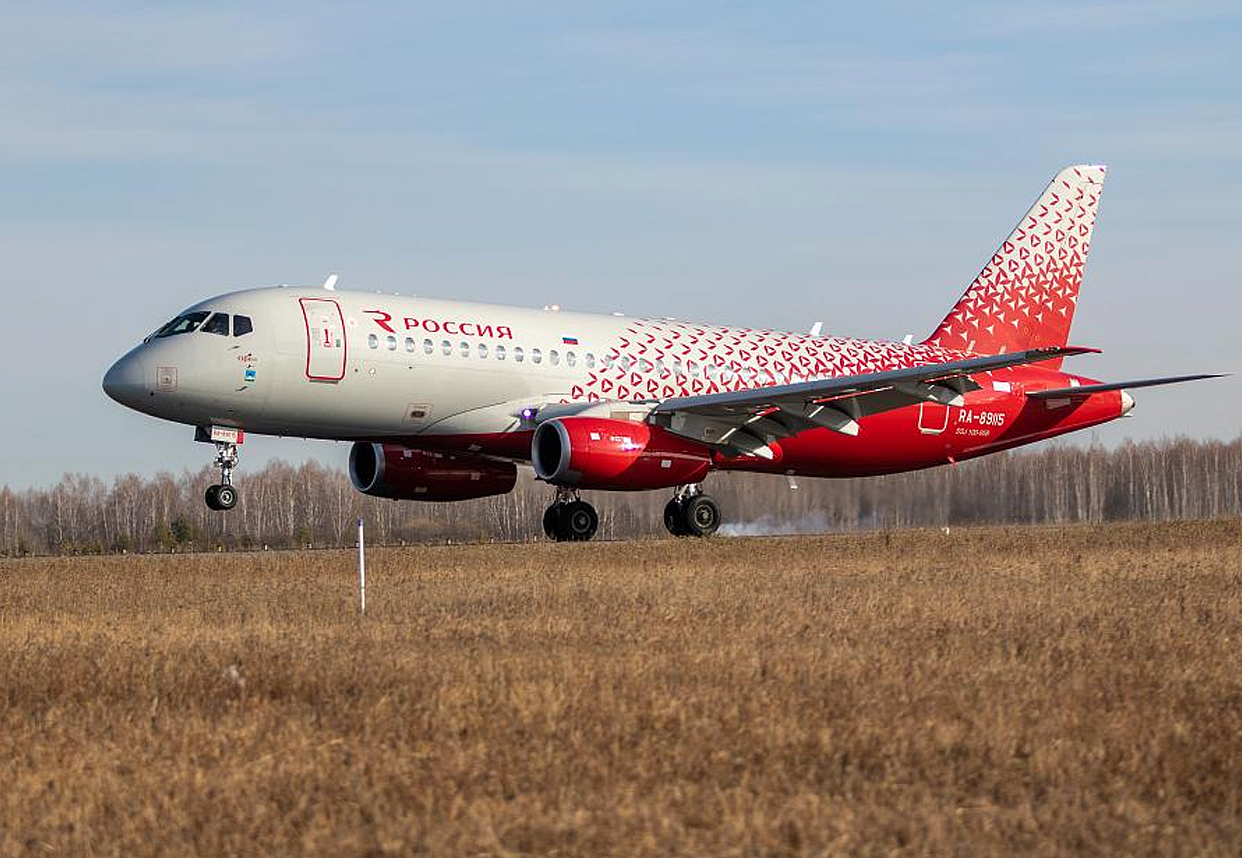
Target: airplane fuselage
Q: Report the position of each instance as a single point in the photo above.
(469, 377)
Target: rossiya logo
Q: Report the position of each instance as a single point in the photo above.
(454, 327)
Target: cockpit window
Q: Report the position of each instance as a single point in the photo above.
(241, 326)
(183, 324)
(217, 324)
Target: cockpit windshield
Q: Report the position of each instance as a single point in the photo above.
(217, 324)
(183, 324)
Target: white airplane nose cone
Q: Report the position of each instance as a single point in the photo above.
(126, 381)
(1127, 402)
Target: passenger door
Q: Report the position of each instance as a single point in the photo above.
(326, 348)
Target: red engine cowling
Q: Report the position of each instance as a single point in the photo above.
(397, 472)
(618, 455)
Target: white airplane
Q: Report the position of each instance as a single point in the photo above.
(442, 398)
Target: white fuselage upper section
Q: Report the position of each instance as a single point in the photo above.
(351, 365)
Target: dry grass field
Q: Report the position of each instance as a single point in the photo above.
(992, 691)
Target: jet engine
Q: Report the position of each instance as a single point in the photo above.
(619, 455)
(398, 472)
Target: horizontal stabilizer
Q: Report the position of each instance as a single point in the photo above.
(1088, 389)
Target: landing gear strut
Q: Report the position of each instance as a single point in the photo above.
(224, 496)
(570, 519)
(691, 513)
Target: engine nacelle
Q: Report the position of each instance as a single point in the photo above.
(618, 455)
(400, 473)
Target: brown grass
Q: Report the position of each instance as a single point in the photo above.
(990, 691)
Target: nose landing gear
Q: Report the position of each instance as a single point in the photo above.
(223, 496)
(570, 519)
(691, 513)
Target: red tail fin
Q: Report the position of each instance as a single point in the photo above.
(1026, 294)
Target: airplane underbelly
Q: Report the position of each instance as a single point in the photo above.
(383, 398)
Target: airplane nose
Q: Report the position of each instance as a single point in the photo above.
(126, 380)
(1127, 403)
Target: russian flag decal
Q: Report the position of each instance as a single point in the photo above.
(569, 341)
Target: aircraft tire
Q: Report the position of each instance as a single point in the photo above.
(550, 521)
(212, 498)
(226, 497)
(578, 522)
(673, 518)
(700, 516)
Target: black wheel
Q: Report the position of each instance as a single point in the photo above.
(549, 521)
(578, 522)
(701, 516)
(213, 497)
(673, 518)
(226, 497)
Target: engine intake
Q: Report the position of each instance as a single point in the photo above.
(401, 473)
(615, 455)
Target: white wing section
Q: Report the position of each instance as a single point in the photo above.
(746, 421)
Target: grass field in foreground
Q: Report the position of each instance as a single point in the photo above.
(1068, 690)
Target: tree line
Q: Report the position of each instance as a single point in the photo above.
(286, 506)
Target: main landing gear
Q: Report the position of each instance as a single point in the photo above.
(570, 519)
(691, 513)
(224, 496)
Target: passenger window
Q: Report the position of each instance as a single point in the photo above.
(644, 365)
(428, 346)
(500, 352)
(242, 326)
(570, 358)
(464, 348)
(711, 370)
(446, 347)
(409, 344)
(554, 357)
(517, 353)
(373, 341)
(392, 342)
(536, 356)
(693, 368)
(626, 363)
(590, 361)
(607, 361)
(482, 350)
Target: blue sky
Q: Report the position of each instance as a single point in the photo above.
(768, 164)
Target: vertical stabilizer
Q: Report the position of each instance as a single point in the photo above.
(1026, 294)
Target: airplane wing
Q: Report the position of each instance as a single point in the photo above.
(1088, 389)
(743, 421)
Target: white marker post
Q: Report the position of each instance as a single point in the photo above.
(362, 571)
